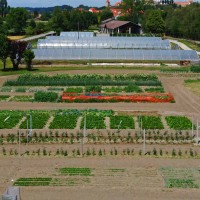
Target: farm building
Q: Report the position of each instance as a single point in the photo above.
(117, 26)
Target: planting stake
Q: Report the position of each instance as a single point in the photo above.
(192, 126)
(19, 142)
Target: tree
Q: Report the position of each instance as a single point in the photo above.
(16, 19)
(3, 7)
(35, 14)
(132, 10)
(56, 22)
(4, 49)
(28, 57)
(17, 49)
(106, 14)
(3, 27)
(155, 22)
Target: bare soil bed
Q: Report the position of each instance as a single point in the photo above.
(142, 178)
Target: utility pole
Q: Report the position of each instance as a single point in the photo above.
(19, 132)
(84, 134)
(197, 128)
(78, 30)
(27, 130)
(144, 138)
(192, 126)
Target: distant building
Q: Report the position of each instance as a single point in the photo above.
(163, 2)
(183, 3)
(93, 10)
(107, 3)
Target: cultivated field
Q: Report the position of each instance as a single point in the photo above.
(51, 166)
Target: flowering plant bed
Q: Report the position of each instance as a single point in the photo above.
(146, 98)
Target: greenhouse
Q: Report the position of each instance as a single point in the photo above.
(116, 44)
(114, 54)
(86, 46)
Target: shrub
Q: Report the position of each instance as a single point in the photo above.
(93, 88)
(41, 96)
(154, 152)
(195, 69)
(173, 152)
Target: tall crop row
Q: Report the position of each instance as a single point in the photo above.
(81, 80)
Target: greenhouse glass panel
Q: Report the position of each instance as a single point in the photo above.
(175, 55)
(120, 54)
(157, 55)
(147, 55)
(138, 55)
(184, 55)
(85, 54)
(166, 55)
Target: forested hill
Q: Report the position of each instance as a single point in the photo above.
(48, 9)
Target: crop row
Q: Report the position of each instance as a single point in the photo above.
(76, 171)
(80, 80)
(172, 138)
(113, 89)
(113, 151)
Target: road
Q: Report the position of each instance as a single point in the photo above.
(37, 36)
(182, 46)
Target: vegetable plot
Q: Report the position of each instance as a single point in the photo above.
(150, 122)
(62, 121)
(179, 122)
(150, 98)
(9, 119)
(122, 122)
(39, 120)
(76, 171)
(180, 177)
(94, 121)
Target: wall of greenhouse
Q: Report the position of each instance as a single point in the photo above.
(114, 54)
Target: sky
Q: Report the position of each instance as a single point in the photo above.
(48, 3)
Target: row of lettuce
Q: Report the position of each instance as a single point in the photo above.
(95, 119)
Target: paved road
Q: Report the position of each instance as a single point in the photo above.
(182, 46)
(37, 36)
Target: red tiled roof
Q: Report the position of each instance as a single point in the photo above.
(93, 10)
(115, 11)
(182, 3)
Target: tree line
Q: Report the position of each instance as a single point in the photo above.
(171, 20)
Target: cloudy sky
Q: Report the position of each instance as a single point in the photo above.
(47, 3)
